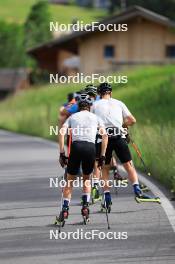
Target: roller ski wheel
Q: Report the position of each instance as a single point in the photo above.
(102, 209)
(60, 220)
(85, 214)
(96, 196)
(145, 198)
(59, 223)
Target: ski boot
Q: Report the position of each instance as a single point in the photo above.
(85, 213)
(60, 220)
(95, 194)
(107, 203)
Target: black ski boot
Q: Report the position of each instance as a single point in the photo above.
(60, 220)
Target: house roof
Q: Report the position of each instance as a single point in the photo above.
(124, 16)
(10, 78)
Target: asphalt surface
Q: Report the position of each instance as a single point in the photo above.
(28, 208)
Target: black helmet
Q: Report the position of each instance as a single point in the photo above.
(104, 87)
(91, 90)
(78, 93)
(84, 100)
(70, 97)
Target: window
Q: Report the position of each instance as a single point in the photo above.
(109, 51)
(170, 51)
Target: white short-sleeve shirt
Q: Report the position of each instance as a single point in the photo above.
(111, 111)
(84, 126)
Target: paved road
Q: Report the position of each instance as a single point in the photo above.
(28, 208)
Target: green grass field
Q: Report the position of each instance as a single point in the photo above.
(17, 11)
(149, 95)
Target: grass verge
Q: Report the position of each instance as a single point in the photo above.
(17, 11)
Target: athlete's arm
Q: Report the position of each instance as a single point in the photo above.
(63, 160)
(104, 144)
(64, 114)
(62, 133)
(68, 111)
(129, 120)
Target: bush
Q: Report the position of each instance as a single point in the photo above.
(37, 25)
(12, 50)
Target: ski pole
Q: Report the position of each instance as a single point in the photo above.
(140, 156)
(107, 218)
(106, 210)
(61, 204)
(64, 177)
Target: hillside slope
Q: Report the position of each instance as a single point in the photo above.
(17, 11)
(149, 95)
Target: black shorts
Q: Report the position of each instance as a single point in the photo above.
(117, 144)
(82, 153)
(98, 150)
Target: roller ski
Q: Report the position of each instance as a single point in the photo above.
(60, 220)
(142, 197)
(85, 214)
(146, 198)
(95, 195)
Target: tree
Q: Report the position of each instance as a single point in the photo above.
(117, 4)
(37, 25)
(164, 7)
(12, 52)
(112, 6)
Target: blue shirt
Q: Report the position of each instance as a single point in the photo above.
(74, 108)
